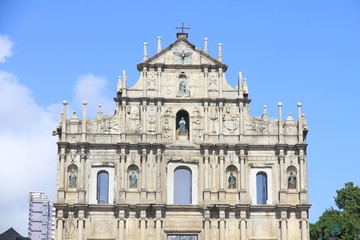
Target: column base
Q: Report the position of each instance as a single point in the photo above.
(282, 197)
(81, 196)
(61, 195)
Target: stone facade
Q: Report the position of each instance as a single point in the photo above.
(116, 173)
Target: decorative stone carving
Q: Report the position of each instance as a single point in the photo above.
(213, 114)
(182, 54)
(151, 84)
(106, 124)
(213, 82)
(151, 119)
(134, 117)
(197, 126)
(230, 118)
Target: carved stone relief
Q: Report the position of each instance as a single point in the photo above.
(231, 119)
(151, 84)
(182, 54)
(197, 126)
(111, 124)
(213, 114)
(213, 82)
(133, 113)
(167, 130)
(151, 119)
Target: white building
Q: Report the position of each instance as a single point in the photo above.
(182, 159)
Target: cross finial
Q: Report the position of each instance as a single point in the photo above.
(182, 28)
(182, 35)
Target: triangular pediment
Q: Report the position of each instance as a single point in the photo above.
(181, 52)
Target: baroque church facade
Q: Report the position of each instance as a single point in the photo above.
(182, 159)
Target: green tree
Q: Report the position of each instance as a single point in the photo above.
(347, 217)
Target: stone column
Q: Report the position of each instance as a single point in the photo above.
(60, 225)
(213, 166)
(82, 175)
(207, 225)
(206, 120)
(143, 174)
(81, 225)
(222, 224)
(304, 226)
(159, 121)
(206, 174)
(221, 169)
(282, 175)
(143, 224)
(243, 192)
(121, 229)
(159, 77)
(243, 225)
(221, 109)
(145, 81)
(221, 82)
(206, 82)
(283, 225)
(158, 224)
(62, 168)
(158, 175)
(241, 123)
(144, 119)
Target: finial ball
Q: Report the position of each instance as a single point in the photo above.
(84, 102)
(280, 104)
(299, 104)
(65, 102)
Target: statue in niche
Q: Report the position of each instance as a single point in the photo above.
(292, 180)
(232, 181)
(182, 87)
(72, 178)
(182, 127)
(133, 180)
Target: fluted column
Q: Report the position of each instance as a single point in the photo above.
(221, 82)
(62, 168)
(221, 169)
(82, 175)
(143, 224)
(143, 174)
(243, 225)
(222, 224)
(206, 174)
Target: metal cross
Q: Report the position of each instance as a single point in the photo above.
(182, 28)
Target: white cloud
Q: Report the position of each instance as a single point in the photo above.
(5, 48)
(93, 89)
(28, 151)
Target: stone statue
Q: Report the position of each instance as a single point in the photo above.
(182, 87)
(72, 179)
(292, 181)
(182, 127)
(232, 181)
(133, 180)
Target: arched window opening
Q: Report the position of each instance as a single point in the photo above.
(102, 195)
(133, 176)
(261, 188)
(231, 177)
(182, 125)
(182, 185)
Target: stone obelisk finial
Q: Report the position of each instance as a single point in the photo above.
(206, 45)
(158, 44)
(220, 52)
(145, 52)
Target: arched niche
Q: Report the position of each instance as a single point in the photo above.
(72, 173)
(133, 177)
(292, 178)
(232, 177)
(182, 125)
(182, 185)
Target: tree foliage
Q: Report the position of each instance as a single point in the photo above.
(347, 217)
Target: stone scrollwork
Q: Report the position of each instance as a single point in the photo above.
(151, 84)
(213, 82)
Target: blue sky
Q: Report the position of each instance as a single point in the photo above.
(290, 51)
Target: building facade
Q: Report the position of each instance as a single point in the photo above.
(41, 217)
(182, 159)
